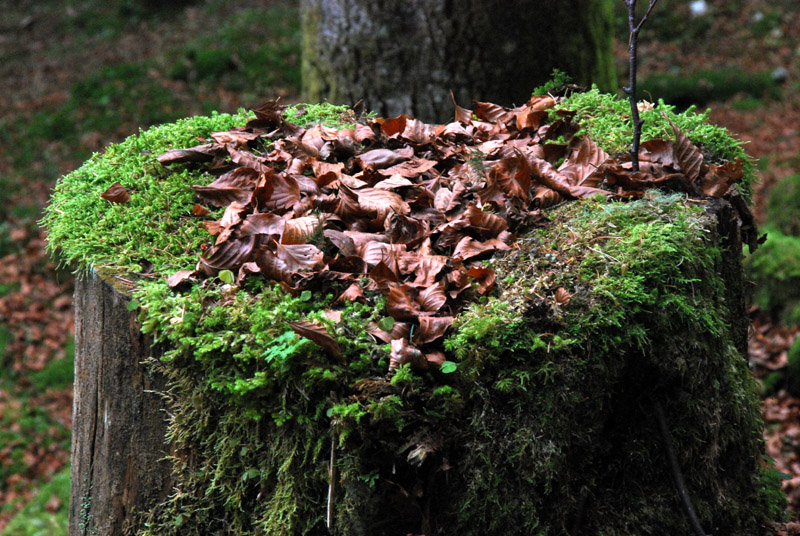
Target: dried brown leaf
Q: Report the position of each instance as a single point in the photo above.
(201, 153)
(401, 304)
(400, 330)
(562, 297)
(432, 298)
(179, 277)
(299, 230)
(299, 257)
(403, 353)
(688, 156)
(116, 193)
(378, 203)
(718, 179)
(227, 256)
(353, 293)
(264, 223)
(432, 328)
(468, 248)
(317, 334)
(383, 158)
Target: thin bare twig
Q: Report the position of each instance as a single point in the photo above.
(676, 470)
(631, 89)
(331, 479)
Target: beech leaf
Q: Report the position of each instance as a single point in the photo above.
(116, 193)
(317, 334)
(688, 156)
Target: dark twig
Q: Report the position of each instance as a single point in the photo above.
(631, 89)
(676, 470)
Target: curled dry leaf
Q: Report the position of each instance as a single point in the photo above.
(222, 197)
(432, 328)
(229, 255)
(435, 359)
(400, 330)
(378, 203)
(200, 210)
(179, 277)
(116, 193)
(264, 223)
(201, 153)
(383, 158)
(404, 352)
(433, 298)
(688, 156)
(401, 303)
(353, 293)
(317, 334)
(299, 257)
(485, 277)
(469, 248)
(298, 230)
(462, 115)
(562, 297)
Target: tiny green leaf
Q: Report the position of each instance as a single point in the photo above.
(132, 305)
(305, 295)
(226, 276)
(386, 323)
(448, 367)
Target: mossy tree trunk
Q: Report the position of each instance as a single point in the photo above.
(406, 56)
(119, 422)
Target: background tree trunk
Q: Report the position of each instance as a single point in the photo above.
(406, 56)
(119, 421)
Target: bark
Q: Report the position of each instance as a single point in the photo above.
(406, 56)
(118, 418)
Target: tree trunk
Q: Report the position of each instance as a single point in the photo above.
(406, 56)
(118, 418)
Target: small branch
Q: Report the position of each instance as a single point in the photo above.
(631, 89)
(676, 470)
(331, 478)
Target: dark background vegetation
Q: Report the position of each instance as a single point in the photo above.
(76, 75)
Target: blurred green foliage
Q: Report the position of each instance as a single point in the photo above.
(683, 89)
(775, 266)
(783, 206)
(47, 514)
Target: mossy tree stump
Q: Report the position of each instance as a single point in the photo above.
(548, 424)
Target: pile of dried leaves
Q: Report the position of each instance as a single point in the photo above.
(406, 208)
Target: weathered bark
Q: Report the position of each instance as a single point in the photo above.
(406, 56)
(118, 418)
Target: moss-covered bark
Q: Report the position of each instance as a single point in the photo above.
(406, 57)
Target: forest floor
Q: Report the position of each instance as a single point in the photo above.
(75, 76)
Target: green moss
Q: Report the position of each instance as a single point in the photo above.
(647, 320)
(605, 118)
(775, 270)
(90, 231)
(783, 206)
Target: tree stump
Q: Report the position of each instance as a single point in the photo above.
(119, 419)
(609, 326)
